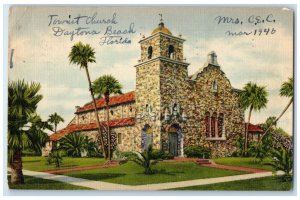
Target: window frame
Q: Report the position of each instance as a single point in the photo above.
(119, 138)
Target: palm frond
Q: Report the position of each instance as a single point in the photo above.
(287, 89)
(73, 144)
(106, 84)
(253, 96)
(82, 55)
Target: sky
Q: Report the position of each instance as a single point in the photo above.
(41, 56)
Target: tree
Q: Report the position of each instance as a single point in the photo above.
(105, 86)
(253, 97)
(239, 143)
(55, 119)
(37, 134)
(145, 159)
(73, 144)
(92, 148)
(25, 127)
(55, 156)
(286, 90)
(283, 161)
(82, 55)
(271, 120)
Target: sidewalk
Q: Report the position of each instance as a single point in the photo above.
(100, 185)
(57, 171)
(236, 168)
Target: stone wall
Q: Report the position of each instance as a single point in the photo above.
(160, 47)
(116, 112)
(159, 84)
(148, 100)
(128, 137)
(203, 99)
(174, 90)
(47, 148)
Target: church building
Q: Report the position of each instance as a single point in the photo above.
(168, 109)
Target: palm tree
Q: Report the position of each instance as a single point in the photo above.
(25, 127)
(107, 85)
(82, 55)
(73, 144)
(286, 90)
(270, 121)
(283, 161)
(253, 97)
(55, 156)
(55, 119)
(145, 159)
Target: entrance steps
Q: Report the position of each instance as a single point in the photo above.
(203, 162)
(198, 161)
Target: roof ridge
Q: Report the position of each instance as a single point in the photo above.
(114, 100)
(90, 126)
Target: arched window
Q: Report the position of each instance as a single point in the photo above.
(112, 112)
(147, 108)
(171, 52)
(213, 124)
(147, 137)
(220, 124)
(175, 109)
(207, 127)
(214, 86)
(150, 52)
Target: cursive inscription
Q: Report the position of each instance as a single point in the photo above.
(106, 29)
(266, 22)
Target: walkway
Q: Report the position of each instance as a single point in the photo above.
(202, 162)
(235, 168)
(211, 163)
(100, 185)
(57, 171)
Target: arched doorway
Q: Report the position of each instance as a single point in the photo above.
(147, 137)
(175, 140)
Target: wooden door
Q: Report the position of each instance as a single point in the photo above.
(173, 144)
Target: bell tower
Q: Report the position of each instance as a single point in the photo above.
(161, 83)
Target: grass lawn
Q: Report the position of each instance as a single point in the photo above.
(272, 183)
(244, 162)
(132, 174)
(39, 163)
(32, 183)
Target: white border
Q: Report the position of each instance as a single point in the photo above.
(78, 194)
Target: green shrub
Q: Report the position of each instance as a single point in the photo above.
(239, 144)
(197, 152)
(144, 159)
(120, 155)
(283, 161)
(161, 155)
(55, 157)
(30, 152)
(73, 144)
(93, 150)
(127, 154)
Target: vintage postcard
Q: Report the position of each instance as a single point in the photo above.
(150, 98)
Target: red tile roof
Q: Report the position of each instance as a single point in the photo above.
(71, 128)
(114, 100)
(254, 128)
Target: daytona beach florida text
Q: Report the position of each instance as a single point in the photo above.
(104, 27)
